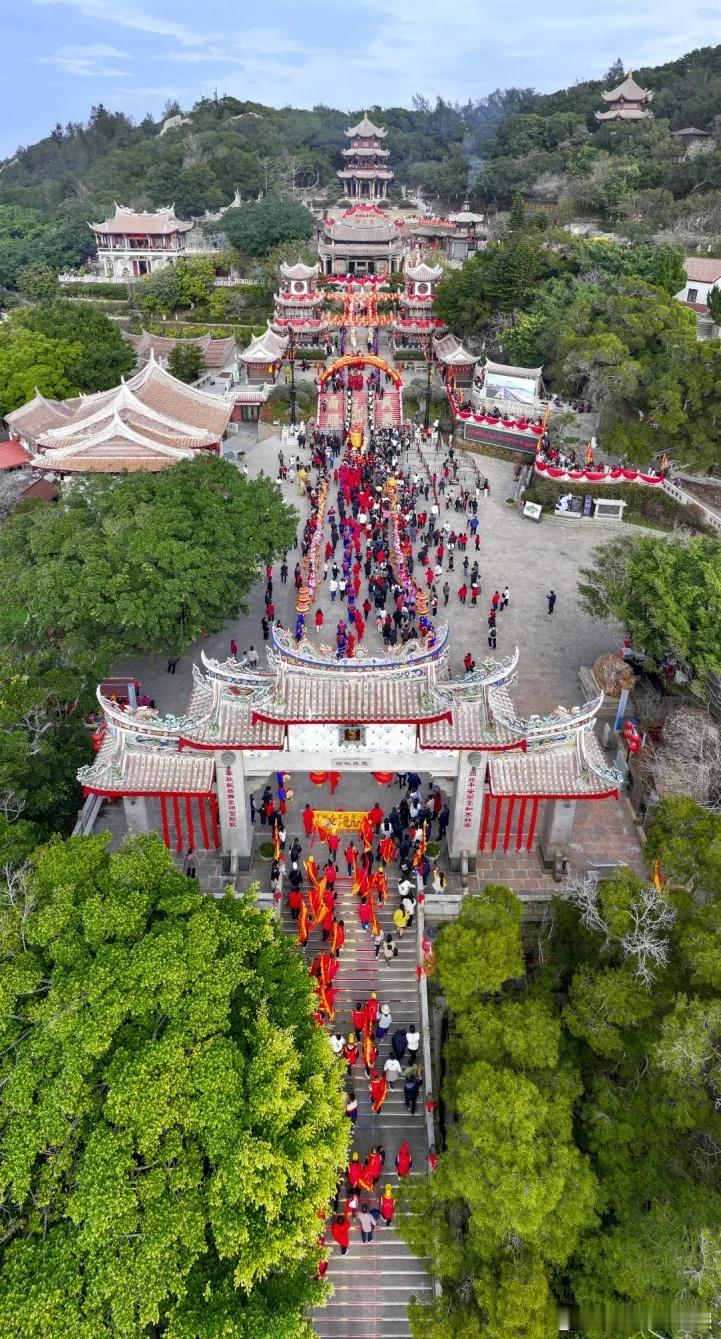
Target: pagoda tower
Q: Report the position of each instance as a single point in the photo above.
(627, 102)
(365, 174)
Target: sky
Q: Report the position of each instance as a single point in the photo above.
(59, 57)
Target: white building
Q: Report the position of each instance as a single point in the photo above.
(702, 274)
(131, 244)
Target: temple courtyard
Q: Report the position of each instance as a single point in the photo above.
(530, 559)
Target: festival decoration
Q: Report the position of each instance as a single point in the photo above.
(383, 778)
(318, 778)
(614, 474)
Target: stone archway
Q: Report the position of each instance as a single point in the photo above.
(361, 360)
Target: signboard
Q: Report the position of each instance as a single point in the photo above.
(471, 813)
(533, 510)
(516, 390)
(230, 800)
(524, 443)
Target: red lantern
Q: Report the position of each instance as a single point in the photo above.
(628, 729)
(318, 778)
(634, 745)
(383, 778)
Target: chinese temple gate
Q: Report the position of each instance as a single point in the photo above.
(191, 776)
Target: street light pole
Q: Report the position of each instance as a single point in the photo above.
(292, 375)
(427, 415)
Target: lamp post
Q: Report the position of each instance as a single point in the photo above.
(429, 367)
(292, 375)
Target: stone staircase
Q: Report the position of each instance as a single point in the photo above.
(374, 1283)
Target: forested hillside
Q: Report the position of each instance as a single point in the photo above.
(548, 145)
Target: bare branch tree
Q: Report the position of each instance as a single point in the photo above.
(687, 761)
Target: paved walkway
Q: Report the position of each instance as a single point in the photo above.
(373, 1283)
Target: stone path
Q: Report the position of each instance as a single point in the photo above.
(374, 1283)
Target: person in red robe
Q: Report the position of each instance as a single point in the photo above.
(333, 844)
(340, 1232)
(370, 1053)
(404, 1159)
(376, 815)
(295, 897)
(387, 848)
(367, 831)
(303, 923)
(371, 1008)
(387, 1206)
(378, 1089)
(308, 816)
(374, 1163)
(351, 1051)
(355, 1168)
(358, 1017)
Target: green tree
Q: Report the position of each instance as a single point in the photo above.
(666, 593)
(255, 228)
(483, 945)
(105, 356)
(185, 360)
(39, 283)
(166, 1155)
(30, 362)
(140, 564)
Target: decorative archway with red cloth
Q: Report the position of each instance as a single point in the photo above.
(361, 360)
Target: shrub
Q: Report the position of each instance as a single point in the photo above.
(649, 505)
(108, 290)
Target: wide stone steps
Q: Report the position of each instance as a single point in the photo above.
(374, 1282)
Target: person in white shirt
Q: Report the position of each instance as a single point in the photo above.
(392, 1070)
(337, 1044)
(413, 1040)
(404, 888)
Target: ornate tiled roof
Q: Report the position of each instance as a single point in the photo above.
(628, 89)
(365, 151)
(38, 415)
(266, 348)
(509, 370)
(144, 770)
(553, 771)
(157, 223)
(153, 417)
(216, 352)
(362, 223)
(450, 351)
(423, 273)
(298, 271)
(366, 129)
(350, 700)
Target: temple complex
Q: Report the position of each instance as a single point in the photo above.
(131, 243)
(510, 781)
(299, 305)
(362, 241)
(365, 174)
(627, 102)
(147, 423)
(415, 323)
(264, 356)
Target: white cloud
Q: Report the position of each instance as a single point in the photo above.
(126, 16)
(88, 61)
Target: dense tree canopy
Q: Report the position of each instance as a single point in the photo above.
(140, 564)
(581, 1101)
(165, 1156)
(257, 227)
(106, 356)
(30, 362)
(185, 360)
(666, 594)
